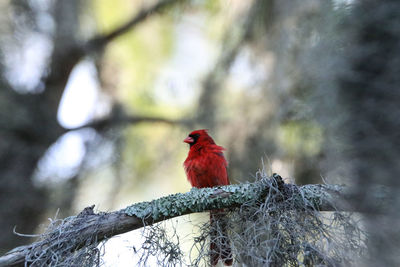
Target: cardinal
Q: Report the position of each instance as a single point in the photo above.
(205, 166)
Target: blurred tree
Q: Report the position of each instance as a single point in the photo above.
(369, 92)
(28, 112)
(29, 123)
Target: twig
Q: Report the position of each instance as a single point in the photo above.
(111, 121)
(101, 40)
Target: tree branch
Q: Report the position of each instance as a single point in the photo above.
(101, 40)
(118, 117)
(90, 228)
(127, 119)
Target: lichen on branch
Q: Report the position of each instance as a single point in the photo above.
(319, 197)
(198, 200)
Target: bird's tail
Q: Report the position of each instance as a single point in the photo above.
(220, 247)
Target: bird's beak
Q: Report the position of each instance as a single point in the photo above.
(188, 140)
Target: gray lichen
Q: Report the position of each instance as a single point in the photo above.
(196, 200)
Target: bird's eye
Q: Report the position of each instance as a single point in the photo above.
(195, 137)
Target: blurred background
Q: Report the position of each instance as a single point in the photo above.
(97, 96)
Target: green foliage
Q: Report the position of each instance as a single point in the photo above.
(301, 138)
(136, 57)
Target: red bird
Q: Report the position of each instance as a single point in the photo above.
(205, 166)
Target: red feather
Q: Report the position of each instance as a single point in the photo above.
(205, 166)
